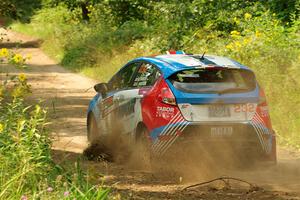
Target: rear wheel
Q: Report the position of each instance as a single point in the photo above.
(142, 153)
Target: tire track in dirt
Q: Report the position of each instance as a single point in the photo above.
(66, 97)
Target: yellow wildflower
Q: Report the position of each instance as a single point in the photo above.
(257, 33)
(235, 33)
(1, 128)
(229, 46)
(18, 58)
(90, 8)
(236, 20)
(238, 44)
(22, 77)
(3, 52)
(247, 16)
(246, 41)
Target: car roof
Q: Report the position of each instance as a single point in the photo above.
(172, 63)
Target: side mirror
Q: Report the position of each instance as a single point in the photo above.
(101, 88)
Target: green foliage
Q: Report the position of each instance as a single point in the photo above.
(123, 11)
(24, 149)
(286, 10)
(263, 35)
(7, 8)
(21, 10)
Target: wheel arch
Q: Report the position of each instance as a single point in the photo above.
(88, 121)
(140, 126)
(90, 116)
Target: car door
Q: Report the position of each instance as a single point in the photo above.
(117, 104)
(145, 77)
(127, 102)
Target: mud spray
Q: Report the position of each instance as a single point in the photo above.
(197, 162)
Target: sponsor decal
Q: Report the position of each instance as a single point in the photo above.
(140, 79)
(165, 112)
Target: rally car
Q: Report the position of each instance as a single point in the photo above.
(176, 99)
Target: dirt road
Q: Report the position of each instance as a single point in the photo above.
(66, 96)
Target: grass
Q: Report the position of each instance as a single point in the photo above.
(26, 165)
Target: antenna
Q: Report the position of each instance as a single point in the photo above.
(202, 57)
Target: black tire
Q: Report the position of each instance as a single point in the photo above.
(142, 153)
(97, 149)
(93, 134)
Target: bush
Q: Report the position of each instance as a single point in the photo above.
(27, 169)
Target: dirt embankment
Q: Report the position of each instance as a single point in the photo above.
(66, 96)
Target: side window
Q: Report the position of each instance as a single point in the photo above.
(124, 77)
(146, 75)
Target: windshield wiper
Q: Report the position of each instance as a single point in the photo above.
(232, 90)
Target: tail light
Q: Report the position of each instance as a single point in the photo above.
(263, 109)
(166, 96)
(263, 112)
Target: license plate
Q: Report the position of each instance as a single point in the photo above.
(218, 111)
(221, 131)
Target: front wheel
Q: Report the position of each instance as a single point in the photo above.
(93, 134)
(96, 150)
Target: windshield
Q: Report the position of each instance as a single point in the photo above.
(214, 80)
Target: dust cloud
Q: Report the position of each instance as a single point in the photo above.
(199, 162)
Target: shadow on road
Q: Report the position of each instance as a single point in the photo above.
(28, 44)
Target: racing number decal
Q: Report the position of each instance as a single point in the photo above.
(249, 107)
